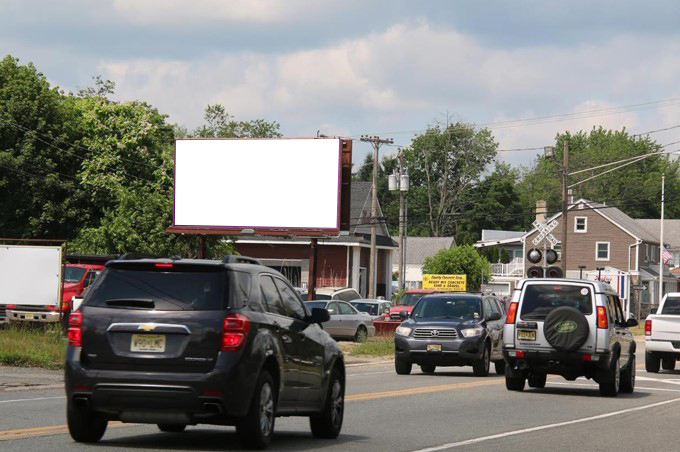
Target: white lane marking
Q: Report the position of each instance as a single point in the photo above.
(545, 427)
(659, 380)
(594, 386)
(30, 400)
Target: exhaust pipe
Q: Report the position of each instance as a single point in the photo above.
(521, 364)
(212, 407)
(81, 402)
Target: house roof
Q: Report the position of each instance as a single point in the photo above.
(418, 248)
(671, 230)
(494, 235)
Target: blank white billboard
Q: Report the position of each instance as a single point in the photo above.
(257, 183)
(30, 275)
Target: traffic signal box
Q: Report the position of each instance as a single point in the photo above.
(535, 256)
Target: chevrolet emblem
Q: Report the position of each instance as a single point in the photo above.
(147, 327)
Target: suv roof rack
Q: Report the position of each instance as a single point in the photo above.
(134, 256)
(235, 259)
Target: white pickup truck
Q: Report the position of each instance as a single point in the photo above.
(662, 334)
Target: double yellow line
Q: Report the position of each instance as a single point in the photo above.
(59, 429)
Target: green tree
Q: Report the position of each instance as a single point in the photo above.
(220, 124)
(460, 260)
(444, 164)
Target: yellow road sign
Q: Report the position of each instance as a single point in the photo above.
(454, 283)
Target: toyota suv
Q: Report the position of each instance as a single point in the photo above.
(177, 342)
(572, 328)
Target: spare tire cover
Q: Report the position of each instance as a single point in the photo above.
(566, 329)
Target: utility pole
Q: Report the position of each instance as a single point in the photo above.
(661, 247)
(399, 181)
(376, 141)
(565, 206)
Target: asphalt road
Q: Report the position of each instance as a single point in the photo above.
(450, 410)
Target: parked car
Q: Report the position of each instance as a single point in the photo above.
(455, 329)
(568, 327)
(176, 342)
(332, 293)
(376, 309)
(662, 333)
(345, 321)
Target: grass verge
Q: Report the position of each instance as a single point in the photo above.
(32, 346)
(375, 346)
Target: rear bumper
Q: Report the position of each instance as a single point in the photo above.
(14, 315)
(652, 345)
(217, 397)
(568, 364)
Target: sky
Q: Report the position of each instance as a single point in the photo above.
(526, 70)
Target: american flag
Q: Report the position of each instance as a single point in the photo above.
(665, 255)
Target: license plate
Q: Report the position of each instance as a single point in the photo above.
(28, 316)
(526, 335)
(152, 343)
(434, 347)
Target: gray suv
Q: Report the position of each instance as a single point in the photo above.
(572, 328)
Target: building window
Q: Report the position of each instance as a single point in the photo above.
(581, 224)
(602, 251)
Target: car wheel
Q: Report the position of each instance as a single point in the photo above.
(428, 368)
(402, 366)
(610, 386)
(480, 368)
(500, 367)
(85, 426)
(361, 334)
(628, 377)
(171, 428)
(256, 428)
(537, 380)
(328, 423)
(652, 362)
(668, 363)
(514, 380)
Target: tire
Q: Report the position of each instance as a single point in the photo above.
(668, 363)
(361, 335)
(171, 428)
(500, 367)
(610, 386)
(628, 377)
(402, 366)
(84, 425)
(427, 368)
(480, 368)
(514, 381)
(256, 428)
(537, 380)
(652, 362)
(566, 329)
(328, 423)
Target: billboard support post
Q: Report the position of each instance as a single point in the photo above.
(311, 281)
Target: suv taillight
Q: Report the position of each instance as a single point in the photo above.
(512, 313)
(234, 332)
(602, 321)
(648, 327)
(75, 329)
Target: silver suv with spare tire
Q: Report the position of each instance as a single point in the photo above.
(568, 327)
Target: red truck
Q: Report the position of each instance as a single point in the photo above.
(405, 304)
(76, 278)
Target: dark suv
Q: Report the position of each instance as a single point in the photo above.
(177, 342)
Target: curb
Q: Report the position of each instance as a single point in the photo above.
(369, 363)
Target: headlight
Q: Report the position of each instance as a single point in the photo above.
(472, 332)
(403, 330)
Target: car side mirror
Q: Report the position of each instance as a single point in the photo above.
(493, 316)
(403, 315)
(631, 323)
(319, 315)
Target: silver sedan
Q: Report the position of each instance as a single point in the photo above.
(346, 322)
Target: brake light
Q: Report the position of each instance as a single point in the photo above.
(75, 329)
(512, 313)
(648, 327)
(162, 265)
(602, 321)
(234, 331)
(11, 306)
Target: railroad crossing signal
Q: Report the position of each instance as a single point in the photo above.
(535, 256)
(544, 232)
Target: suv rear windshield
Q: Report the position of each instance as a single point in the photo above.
(540, 299)
(188, 288)
(671, 306)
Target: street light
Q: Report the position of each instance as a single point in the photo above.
(399, 181)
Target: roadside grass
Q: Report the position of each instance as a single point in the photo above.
(638, 330)
(375, 346)
(32, 346)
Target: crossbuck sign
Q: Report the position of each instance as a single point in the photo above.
(544, 232)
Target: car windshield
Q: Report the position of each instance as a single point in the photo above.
(316, 304)
(671, 306)
(370, 308)
(540, 299)
(73, 274)
(187, 289)
(409, 299)
(448, 308)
